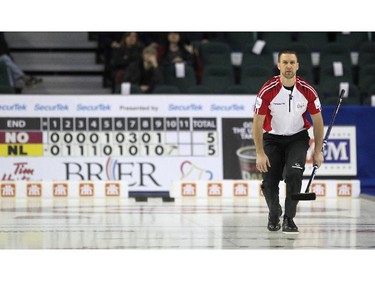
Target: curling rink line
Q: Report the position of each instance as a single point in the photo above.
(214, 223)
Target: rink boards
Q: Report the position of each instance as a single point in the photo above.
(226, 189)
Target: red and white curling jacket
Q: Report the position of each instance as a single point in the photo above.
(286, 110)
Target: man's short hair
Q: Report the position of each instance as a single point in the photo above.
(287, 51)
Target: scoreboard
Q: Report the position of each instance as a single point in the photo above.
(147, 141)
(108, 136)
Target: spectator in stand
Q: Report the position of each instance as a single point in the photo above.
(145, 73)
(123, 54)
(175, 50)
(107, 41)
(14, 71)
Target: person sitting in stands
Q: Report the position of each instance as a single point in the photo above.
(127, 51)
(146, 73)
(175, 50)
(15, 73)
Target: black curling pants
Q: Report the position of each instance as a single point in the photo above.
(289, 153)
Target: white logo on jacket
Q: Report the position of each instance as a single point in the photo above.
(258, 102)
(300, 106)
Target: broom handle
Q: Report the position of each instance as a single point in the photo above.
(315, 167)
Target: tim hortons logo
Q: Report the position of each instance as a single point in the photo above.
(86, 189)
(34, 189)
(8, 189)
(240, 189)
(60, 189)
(214, 189)
(188, 189)
(112, 189)
(319, 189)
(344, 189)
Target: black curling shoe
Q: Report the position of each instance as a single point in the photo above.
(274, 221)
(289, 227)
